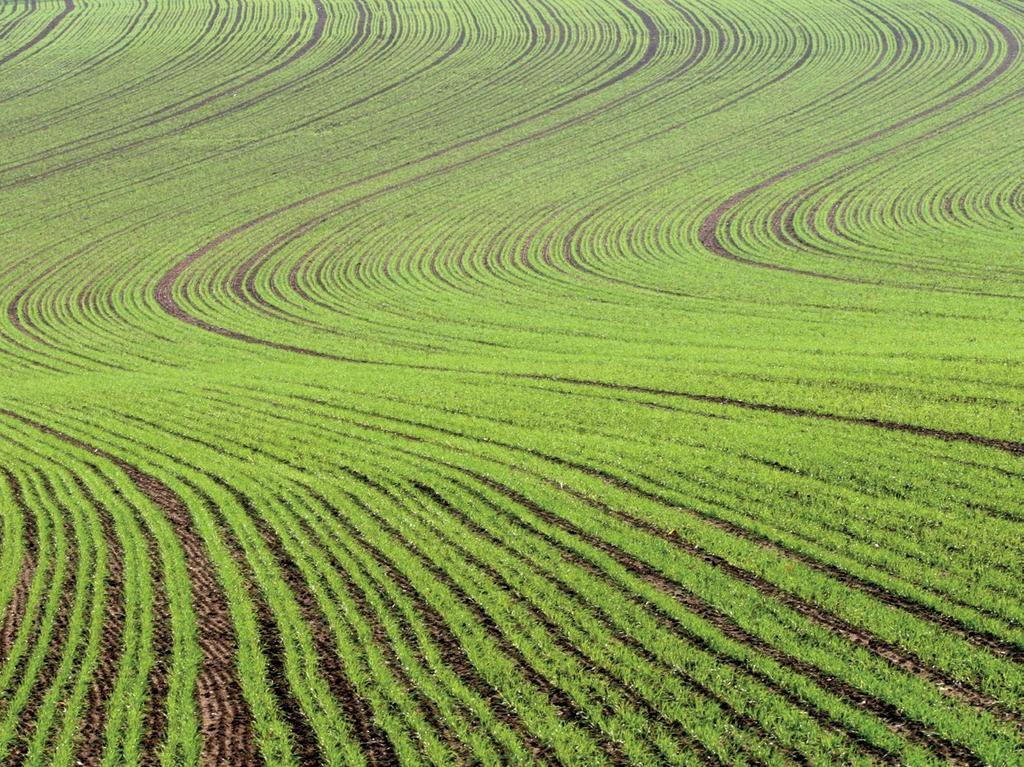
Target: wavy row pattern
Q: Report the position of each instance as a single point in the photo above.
(511, 382)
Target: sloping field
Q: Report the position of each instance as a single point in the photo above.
(451, 382)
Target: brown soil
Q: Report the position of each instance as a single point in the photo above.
(90, 750)
(225, 720)
(375, 744)
(13, 618)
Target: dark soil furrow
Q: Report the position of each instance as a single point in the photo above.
(225, 720)
(375, 744)
(15, 613)
(90, 749)
(889, 713)
(69, 6)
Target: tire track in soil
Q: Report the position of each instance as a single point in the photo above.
(154, 724)
(304, 743)
(375, 743)
(887, 650)
(610, 746)
(1005, 445)
(32, 631)
(372, 739)
(890, 714)
(783, 219)
(687, 599)
(163, 291)
(198, 101)
(853, 634)
(12, 24)
(165, 298)
(979, 638)
(225, 720)
(556, 697)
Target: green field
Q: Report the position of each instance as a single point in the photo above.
(526, 382)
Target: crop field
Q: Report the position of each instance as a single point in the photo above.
(511, 382)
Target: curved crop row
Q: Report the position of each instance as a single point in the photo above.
(516, 382)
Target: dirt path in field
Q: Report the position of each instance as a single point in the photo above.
(228, 737)
(225, 719)
(374, 743)
(154, 723)
(304, 743)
